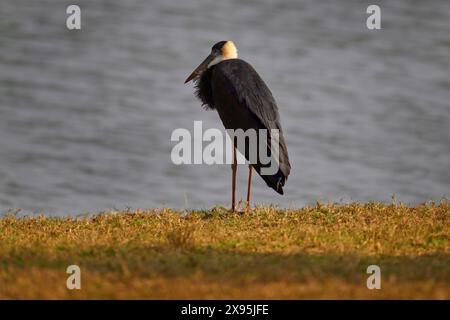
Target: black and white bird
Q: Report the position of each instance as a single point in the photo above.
(233, 88)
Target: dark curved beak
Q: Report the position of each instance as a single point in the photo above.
(200, 69)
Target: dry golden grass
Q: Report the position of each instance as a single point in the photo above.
(313, 252)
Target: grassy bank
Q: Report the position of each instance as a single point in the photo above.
(313, 252)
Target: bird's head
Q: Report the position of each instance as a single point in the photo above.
(222, 50)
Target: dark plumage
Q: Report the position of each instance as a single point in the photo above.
(244, 101)
(203, 89)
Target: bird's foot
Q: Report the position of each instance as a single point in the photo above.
(241, 208)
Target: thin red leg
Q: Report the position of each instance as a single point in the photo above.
(249, 187)
(234, 169)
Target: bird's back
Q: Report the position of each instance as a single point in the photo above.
(244, 101)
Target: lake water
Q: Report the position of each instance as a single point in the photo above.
(86, 116)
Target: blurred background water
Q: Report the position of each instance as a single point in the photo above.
(86, 116)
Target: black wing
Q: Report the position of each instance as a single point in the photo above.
(244, 101)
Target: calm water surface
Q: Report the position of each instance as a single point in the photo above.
(86, 116)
